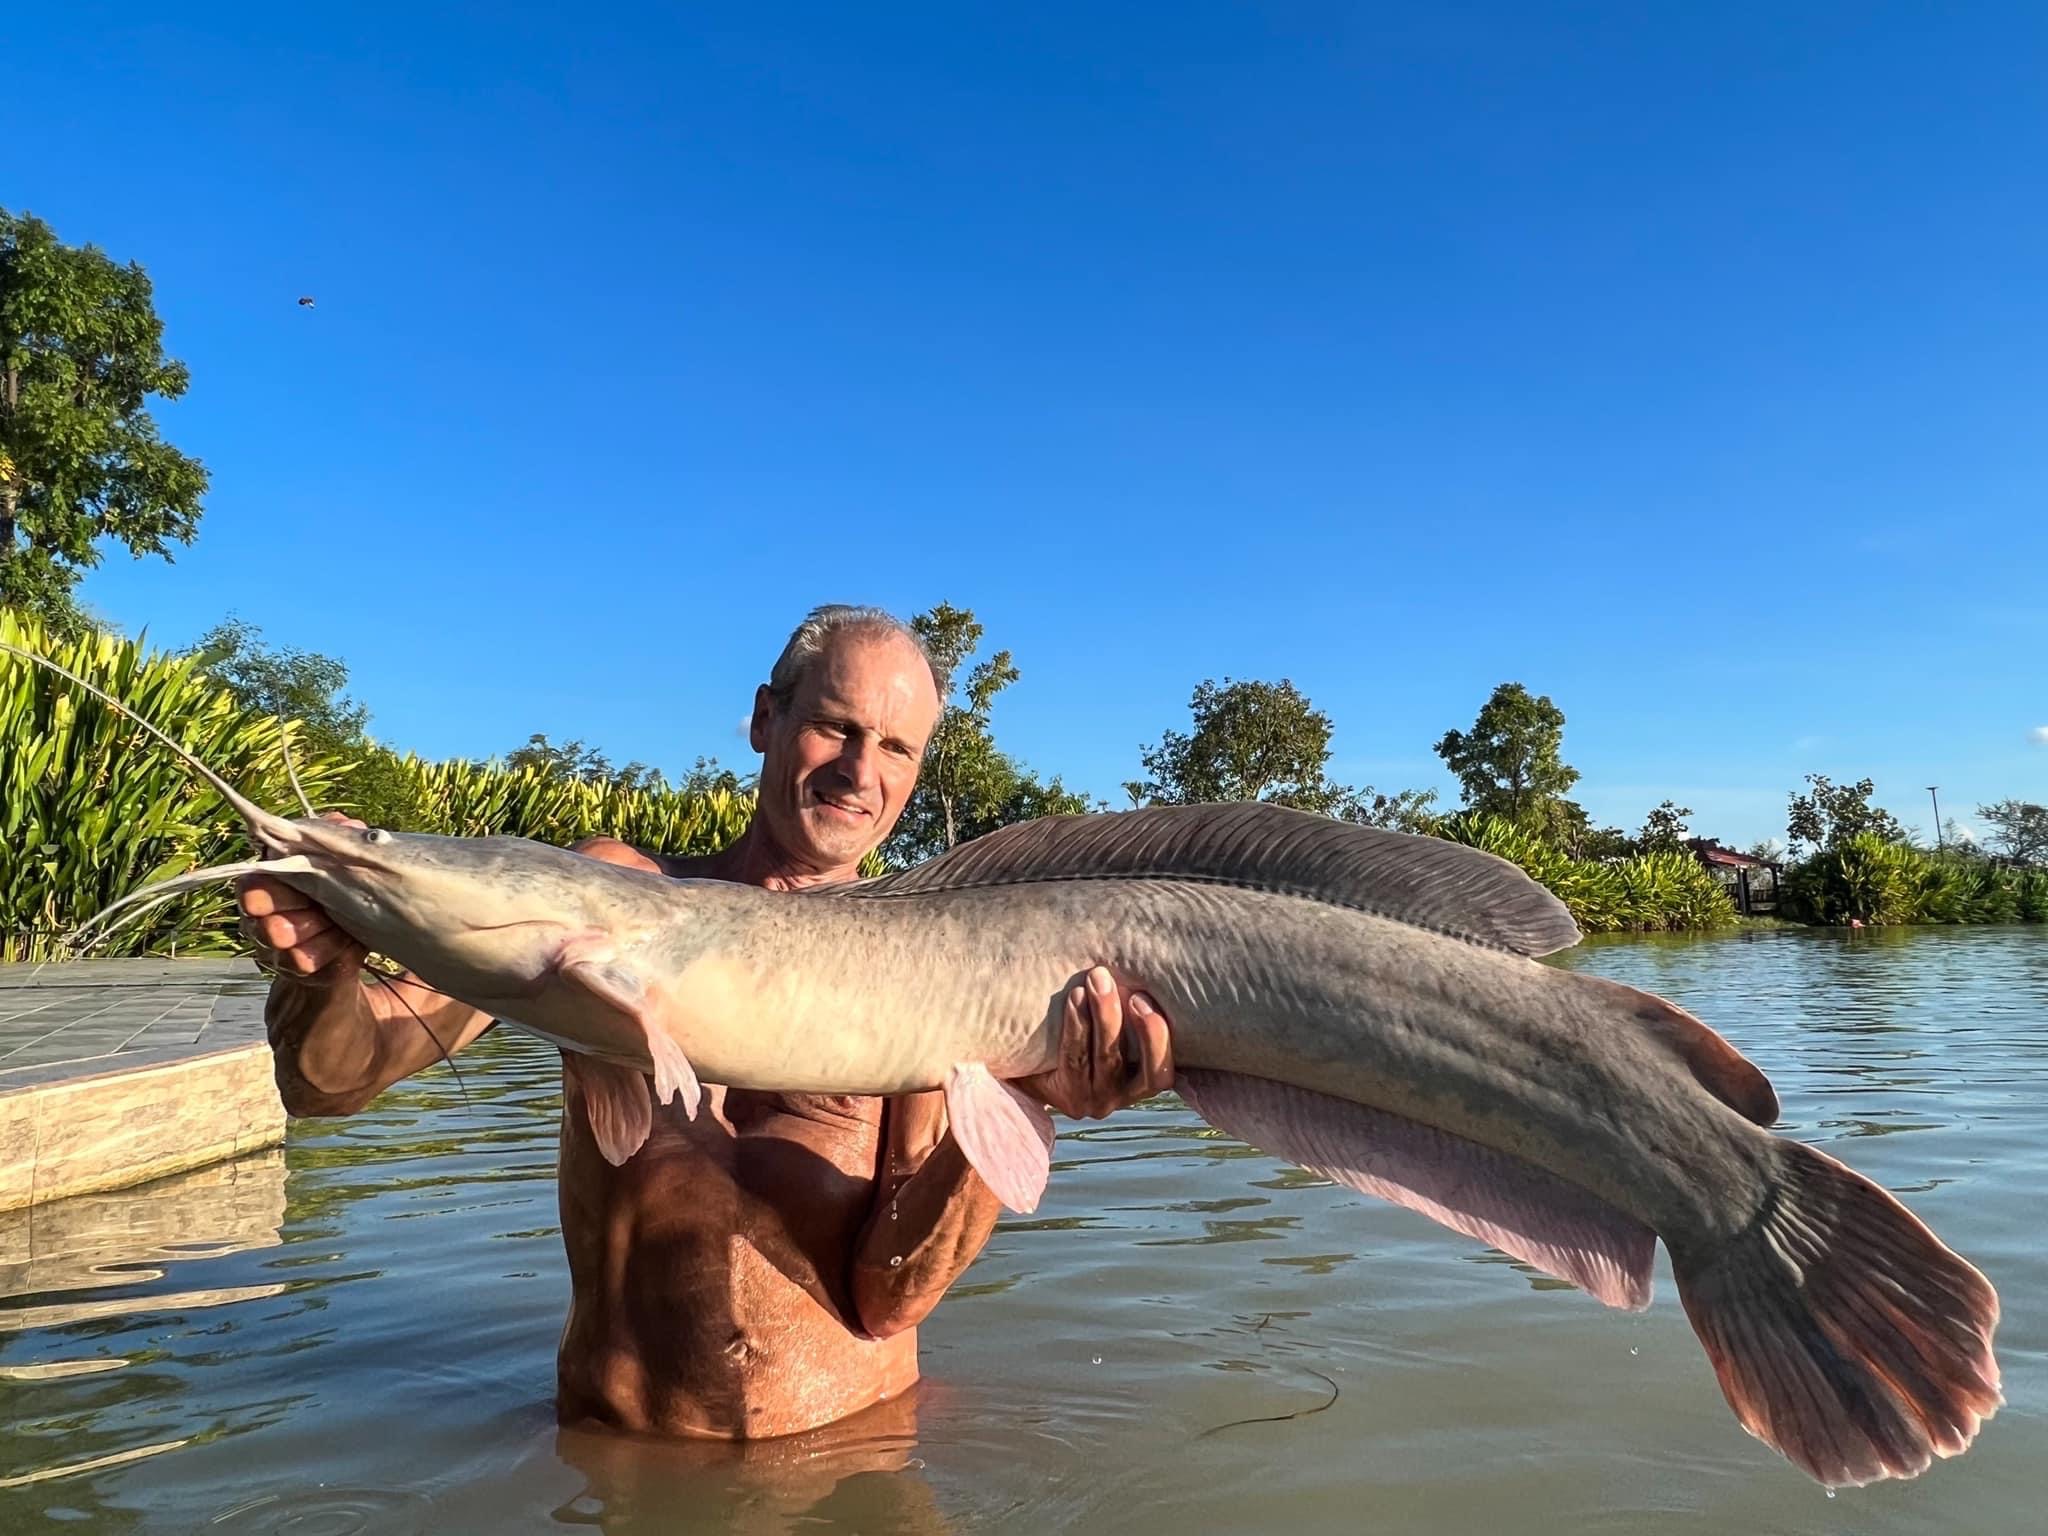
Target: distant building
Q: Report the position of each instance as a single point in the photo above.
(1752, 883)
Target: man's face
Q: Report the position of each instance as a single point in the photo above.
(839, 762)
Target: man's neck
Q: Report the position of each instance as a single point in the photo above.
(756, 859)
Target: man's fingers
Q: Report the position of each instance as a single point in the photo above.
(260, 896)
(1074, 1035)
(287, 930)
(1105, 1043)
(1154, 1046)
(318, 952)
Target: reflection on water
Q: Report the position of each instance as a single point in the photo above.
(358, 1334)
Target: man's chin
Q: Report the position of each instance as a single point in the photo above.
(842, 839)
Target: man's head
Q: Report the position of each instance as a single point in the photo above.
(842, 724)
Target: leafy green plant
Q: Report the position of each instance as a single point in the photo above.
(90, 808)
(1660, 890)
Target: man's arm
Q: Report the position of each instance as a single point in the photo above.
(933, 1214)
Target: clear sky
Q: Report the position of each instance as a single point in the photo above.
(1685, 363)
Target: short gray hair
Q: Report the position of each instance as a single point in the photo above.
(807, 642)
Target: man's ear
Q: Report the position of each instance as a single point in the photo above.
(764, 710)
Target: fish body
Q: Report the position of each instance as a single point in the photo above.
(1365, 1004)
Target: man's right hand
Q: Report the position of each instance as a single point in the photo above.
(294, 936)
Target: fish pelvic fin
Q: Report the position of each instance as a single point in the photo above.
(621, 991)
(1004, 1132)
(1524, 1211)
(1844, 1334)
(614, 1100)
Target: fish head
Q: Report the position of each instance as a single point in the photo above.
(489, 913)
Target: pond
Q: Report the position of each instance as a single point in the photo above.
(358, 1333)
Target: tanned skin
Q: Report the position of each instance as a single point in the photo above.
(761, 1270)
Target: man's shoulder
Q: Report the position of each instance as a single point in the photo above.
(611, 850)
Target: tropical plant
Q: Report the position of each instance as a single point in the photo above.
(1660, 890)
(91, 808)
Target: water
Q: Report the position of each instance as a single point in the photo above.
(359, 1334)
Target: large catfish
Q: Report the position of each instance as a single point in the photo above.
(1362, 1003)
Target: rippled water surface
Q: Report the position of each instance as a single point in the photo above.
(358, 1333)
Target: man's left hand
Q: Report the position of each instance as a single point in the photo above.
(1114, 1050)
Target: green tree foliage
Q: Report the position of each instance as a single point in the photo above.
(1828, 814)
(1664, 828)
(584, 764)
(2019, 830)
(81, 353)
(1510, 765)
(1406, 810)
(308, 687)
(968, 786)
(707, 776)
(1265, 741)
(1251, 741)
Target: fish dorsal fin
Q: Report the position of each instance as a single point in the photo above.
(1422, 881)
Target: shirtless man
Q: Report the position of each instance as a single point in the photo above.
(761, 1270)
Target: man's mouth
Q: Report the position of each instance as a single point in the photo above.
(848, 808)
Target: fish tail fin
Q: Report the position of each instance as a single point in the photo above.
(1845, 1335)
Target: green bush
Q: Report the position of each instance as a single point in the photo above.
(1652, 891)
(91, 808)
(1869, 879)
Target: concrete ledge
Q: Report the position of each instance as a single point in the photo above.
(131, 1070)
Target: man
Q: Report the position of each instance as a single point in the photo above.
(762, 1269)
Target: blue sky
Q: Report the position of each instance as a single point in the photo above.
(1686, 364)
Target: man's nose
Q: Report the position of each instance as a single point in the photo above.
(861, 761)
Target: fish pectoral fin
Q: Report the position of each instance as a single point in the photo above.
(1006, 1134)
(1521, 1209)
(619, 989)
(614, 1102)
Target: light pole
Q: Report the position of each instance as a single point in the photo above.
(1937, 814)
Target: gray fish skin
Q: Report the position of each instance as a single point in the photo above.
(811, 994)
(1386, 978)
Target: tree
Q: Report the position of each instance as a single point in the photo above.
(308, 687)
(968, 786)
(1264, 741)
(1251, 741)
(81, 352)
(1406, 810)
(574, 760)
(1664, 828)
(708, 776)
(1583, 840)
(276, 680)
(1510, 764)
(2019, 830)
(1828, 813)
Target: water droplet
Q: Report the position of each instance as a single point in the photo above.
(1831, 1493)
(896, 1261)
(1633, 1350)
(1098, 1360)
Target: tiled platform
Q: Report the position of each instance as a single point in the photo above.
(116, 1071)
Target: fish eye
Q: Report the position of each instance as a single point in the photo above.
(376, 835)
